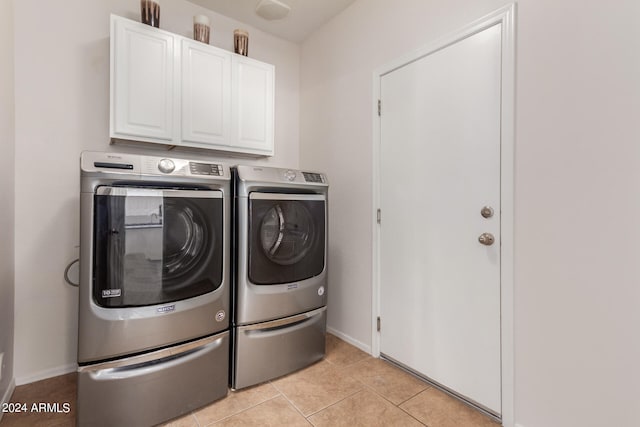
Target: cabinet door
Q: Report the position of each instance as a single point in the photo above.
(142, 82)
(206, 94)
(252, 105)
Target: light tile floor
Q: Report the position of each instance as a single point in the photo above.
(347, 388)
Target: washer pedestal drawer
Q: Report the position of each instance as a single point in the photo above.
(268, 350)
(154, 387)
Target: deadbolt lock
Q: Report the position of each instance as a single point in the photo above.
(486, 239)
(486, 212)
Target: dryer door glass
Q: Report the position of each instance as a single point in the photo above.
(287, 238)
(287, 233)
(154, 246)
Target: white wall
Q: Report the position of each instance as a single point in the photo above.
(6, 197)
(62, 108)
(577, 188)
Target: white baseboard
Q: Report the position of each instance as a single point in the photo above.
(47, 373)
(7, 395)
(344, 337)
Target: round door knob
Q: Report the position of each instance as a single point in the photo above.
(166, 166)
(486, 212)
(486, 239)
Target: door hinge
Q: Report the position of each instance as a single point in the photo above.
(378, 323)
(379, 107)
(378, 216)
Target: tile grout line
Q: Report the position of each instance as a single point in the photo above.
(406, 400)
(235, 413)
(362, 384)
(409, 398)
(288, 400)
(244, 410)
(387, 399)
(193, 415)
(335, 403)
(398, 405)
(417, 420)
(426, 384)
(337, 349)
(323, 408)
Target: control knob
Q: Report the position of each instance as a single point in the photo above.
(290, 175)
(166, 166)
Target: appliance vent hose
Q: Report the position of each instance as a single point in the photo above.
(66, 273)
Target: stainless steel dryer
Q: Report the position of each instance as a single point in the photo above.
(280, 286)
(153, 326)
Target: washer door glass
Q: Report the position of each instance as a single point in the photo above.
(154, 246)
(287, 239)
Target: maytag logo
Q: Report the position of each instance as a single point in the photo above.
(292, 286)
(111, 293)
(167, 308)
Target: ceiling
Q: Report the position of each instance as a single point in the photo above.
(305, 17)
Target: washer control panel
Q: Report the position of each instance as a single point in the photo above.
(166, 166)
(180, 167)
(132, 164)
(205, 169)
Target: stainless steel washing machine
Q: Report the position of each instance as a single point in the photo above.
(153, 326)
(280, 285)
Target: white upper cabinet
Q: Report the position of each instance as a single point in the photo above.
(172, 90)
(253, 110)
(142, 82)
(206, 94)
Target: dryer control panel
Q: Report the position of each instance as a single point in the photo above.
(313, 177)
(263, 176)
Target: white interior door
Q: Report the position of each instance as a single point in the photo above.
(439, 166)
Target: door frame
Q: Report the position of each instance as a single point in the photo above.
(506, 17)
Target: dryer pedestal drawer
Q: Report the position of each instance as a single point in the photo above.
(152, 388)
(268, 350)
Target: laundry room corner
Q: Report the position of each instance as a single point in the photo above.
(62, 109)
